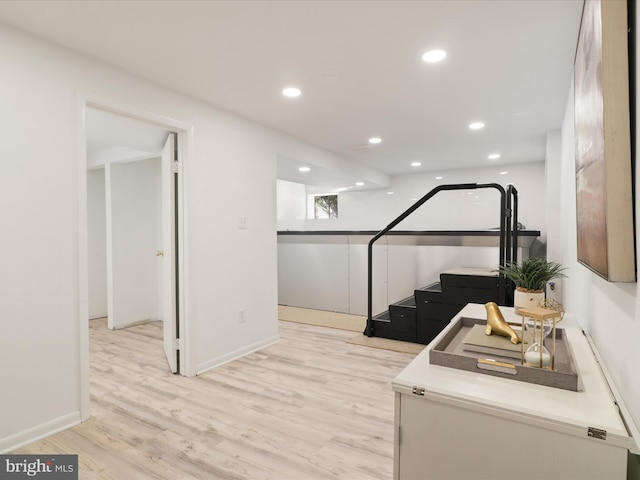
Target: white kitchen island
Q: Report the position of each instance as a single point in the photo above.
(455, 424)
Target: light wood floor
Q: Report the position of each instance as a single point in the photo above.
(310, 407)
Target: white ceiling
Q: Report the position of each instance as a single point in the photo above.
(358, 64)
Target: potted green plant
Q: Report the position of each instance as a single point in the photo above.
(530, 278)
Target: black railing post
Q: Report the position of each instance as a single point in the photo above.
(514, 192)
(507, 227)
(505, 216)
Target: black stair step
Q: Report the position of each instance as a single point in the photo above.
(403, 313)
(395, 326)
(435, 287)
(431, 293)
(382, 317)
(406, 302)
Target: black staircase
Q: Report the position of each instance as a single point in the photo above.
(420, 317)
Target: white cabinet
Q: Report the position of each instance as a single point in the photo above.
(454, 424)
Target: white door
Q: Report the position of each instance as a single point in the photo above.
(168, 253)
(134, 203)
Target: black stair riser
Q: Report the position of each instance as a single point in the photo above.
(396, 311)
(468, 281)
(422, 296)
(406, 302)
(437, 311)
(471, 295)
(395, 331)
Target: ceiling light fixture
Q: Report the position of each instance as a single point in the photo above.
(416, 164)
(359, 184)
(439, 178)
(304, 169)
(503, 173)
(389, 193)
(292, 92)
(434, 56)
(375, 140)
(494, 156)
(476, 125)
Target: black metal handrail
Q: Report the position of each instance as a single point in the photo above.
(512, 192)
(512, 196)
(505, 253)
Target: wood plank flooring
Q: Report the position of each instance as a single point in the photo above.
(310, 407)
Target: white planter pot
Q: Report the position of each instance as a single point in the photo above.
(526, 300)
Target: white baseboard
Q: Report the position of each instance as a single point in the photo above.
(13, 442)
(229, 357)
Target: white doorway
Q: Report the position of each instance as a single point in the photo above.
(134, 271)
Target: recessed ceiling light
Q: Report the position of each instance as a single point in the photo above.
(494, 156)
(439, 178)
(375, 140)
(389, 193)
(416, 164)
(503, 173)
(292, 92)
(434, 56)
(359, 184)
(304, 169)
(476, 125)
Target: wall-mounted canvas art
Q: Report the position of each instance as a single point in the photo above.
(603, 142)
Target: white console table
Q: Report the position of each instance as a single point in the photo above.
(455, 424)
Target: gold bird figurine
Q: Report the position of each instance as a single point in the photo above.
(498, 325)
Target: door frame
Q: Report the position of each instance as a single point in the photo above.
(184, 135)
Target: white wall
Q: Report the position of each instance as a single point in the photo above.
(135, 198)
(554, 204)
(459, 210)
(609, 311)
(97, 246)
(330, 272)
(230, 174)
(292, 201)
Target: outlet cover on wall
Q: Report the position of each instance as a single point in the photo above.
(243, 316)
(243, 223)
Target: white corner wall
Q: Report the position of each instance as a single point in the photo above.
(231, 173)
(610, 312)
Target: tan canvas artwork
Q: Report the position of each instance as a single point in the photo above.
(604, 199)
(590, 171)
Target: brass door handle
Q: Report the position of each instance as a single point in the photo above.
(159, 253)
